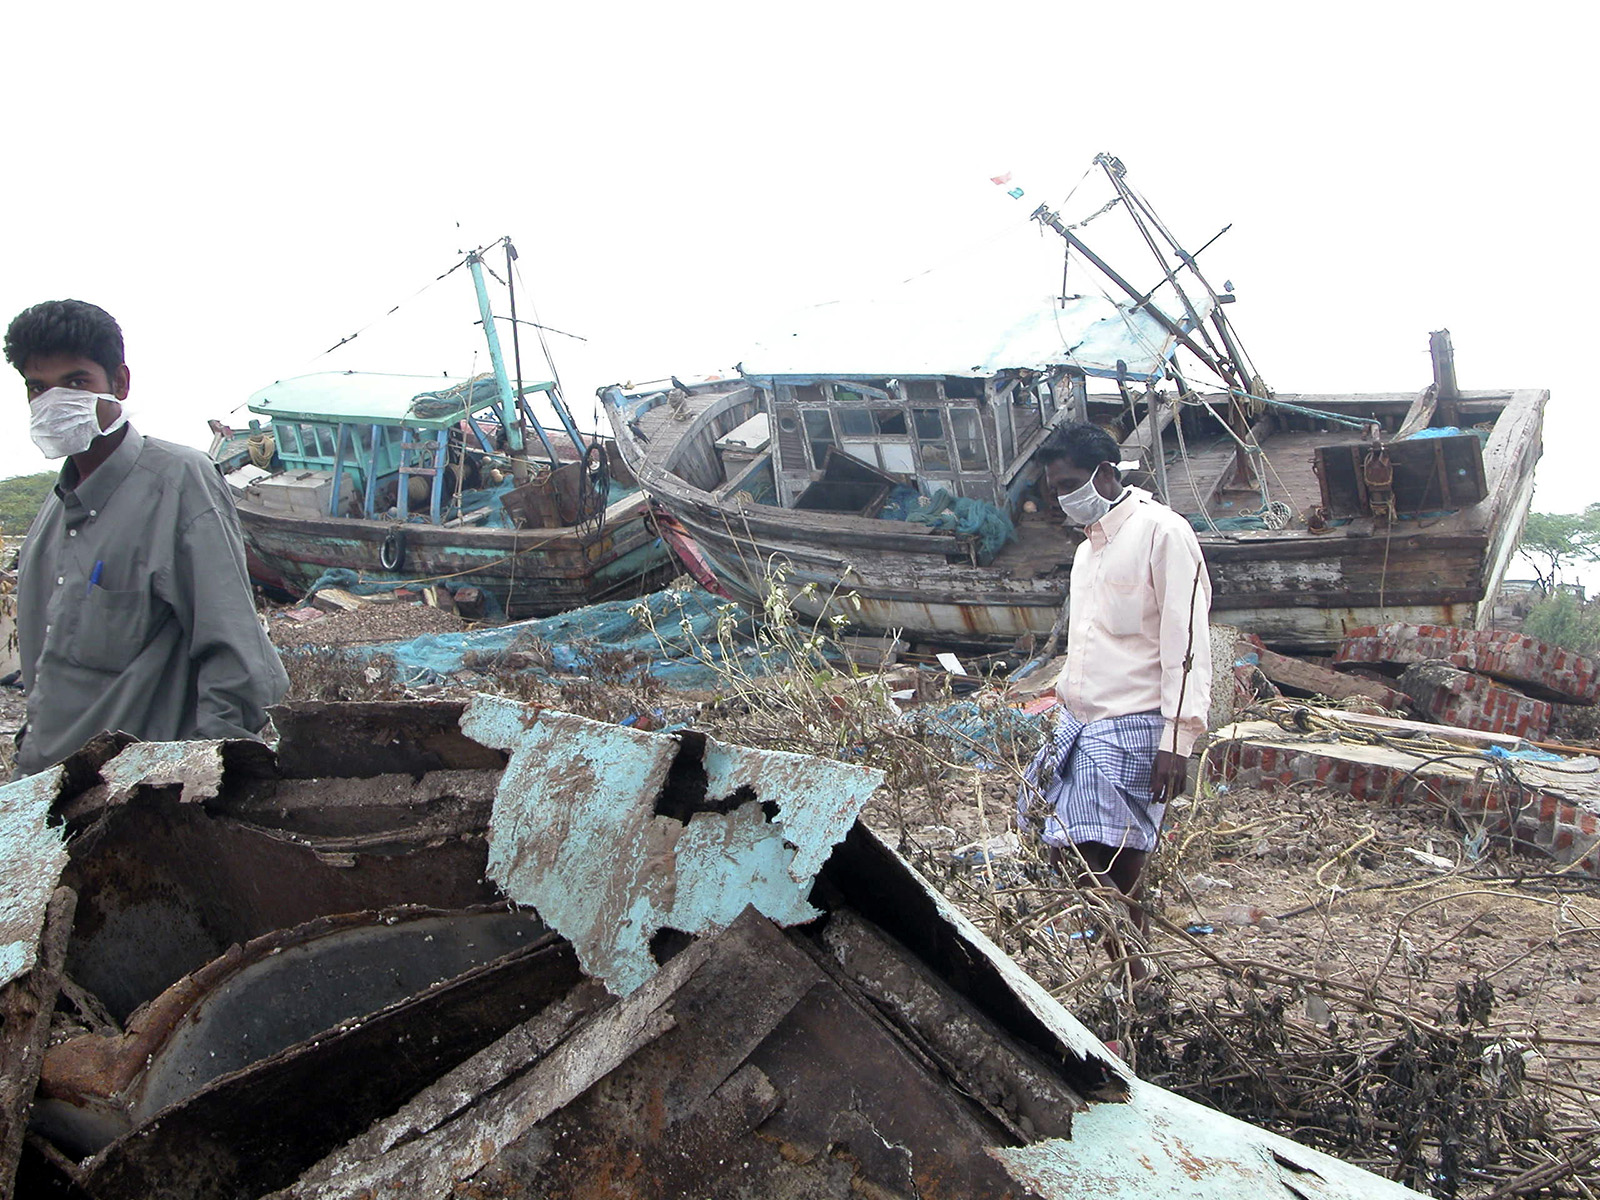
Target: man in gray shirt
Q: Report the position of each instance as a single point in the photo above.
(134, 608)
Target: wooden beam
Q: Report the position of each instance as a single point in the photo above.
(1444, 374)
(1321, 681)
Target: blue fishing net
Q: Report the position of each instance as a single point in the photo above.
(985, 734)
(963, 515)
(687, 620)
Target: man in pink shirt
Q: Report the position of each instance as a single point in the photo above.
(1137, 684)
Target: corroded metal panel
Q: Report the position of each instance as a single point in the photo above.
(34, 856)
(193, 767)
(1161, 1145)
(615, 834)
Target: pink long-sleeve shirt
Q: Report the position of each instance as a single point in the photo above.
(1136, 613)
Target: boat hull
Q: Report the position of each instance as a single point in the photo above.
(529, 572)
(1295, 589)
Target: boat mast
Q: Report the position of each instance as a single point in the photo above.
(1140, 210)
(510, 418)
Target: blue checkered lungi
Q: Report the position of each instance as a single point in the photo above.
(1094, 782)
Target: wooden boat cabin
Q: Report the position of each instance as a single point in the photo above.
(342, 443)
(920, 494)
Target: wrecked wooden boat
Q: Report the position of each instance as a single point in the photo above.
(888, 452)
(435, 949)
(404, 478)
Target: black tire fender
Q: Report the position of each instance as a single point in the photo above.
(392, 554)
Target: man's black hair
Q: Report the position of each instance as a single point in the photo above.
(1085, 446)
(65, 327)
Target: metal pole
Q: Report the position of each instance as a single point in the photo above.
(508, 403)
(1045, 216)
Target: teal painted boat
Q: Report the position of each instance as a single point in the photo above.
(406, 481)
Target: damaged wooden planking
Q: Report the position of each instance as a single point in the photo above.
(615, 835)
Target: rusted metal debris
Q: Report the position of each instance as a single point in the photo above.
(296, 978)
(614, 835)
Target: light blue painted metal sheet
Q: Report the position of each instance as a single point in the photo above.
(32, 857)
(361, 396)
(575, 832)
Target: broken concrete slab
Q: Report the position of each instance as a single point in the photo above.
(1455, 697)
(615, 834)
(1544, 671)
(1539, 807)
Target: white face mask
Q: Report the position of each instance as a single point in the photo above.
(1085, 505)
(65, 421)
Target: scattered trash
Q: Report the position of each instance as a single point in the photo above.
(1437, 861)
(1001, 845)
(1240, 914)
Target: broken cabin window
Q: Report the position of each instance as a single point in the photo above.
(819, 432)
(961, 388)
(922, 389)
(810, 391)
(854, 422)
(932, 446)
(968, 439)
(896, 457)
(1003, 429)
(890, 420)
(1026, 416)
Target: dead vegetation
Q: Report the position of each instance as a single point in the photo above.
(1322, 975)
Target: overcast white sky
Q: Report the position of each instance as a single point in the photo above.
(243, 185)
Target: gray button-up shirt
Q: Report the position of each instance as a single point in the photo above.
(134, 608)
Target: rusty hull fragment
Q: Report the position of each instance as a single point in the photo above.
(615, 834)
(255, 1001)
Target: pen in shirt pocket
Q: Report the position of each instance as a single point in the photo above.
(94, 578)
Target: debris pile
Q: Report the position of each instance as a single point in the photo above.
(1486, 768)
(1486, 679)
(294, 974)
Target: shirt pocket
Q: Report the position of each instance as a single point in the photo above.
(112, 628)
(1124, 607)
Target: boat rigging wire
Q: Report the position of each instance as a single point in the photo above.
(352, 337)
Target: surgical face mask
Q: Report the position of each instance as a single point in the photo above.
(65, 421)
(1085, 505)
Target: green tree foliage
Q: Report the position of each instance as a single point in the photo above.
(20, 498)
(1551, 541)
(1564, 620)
